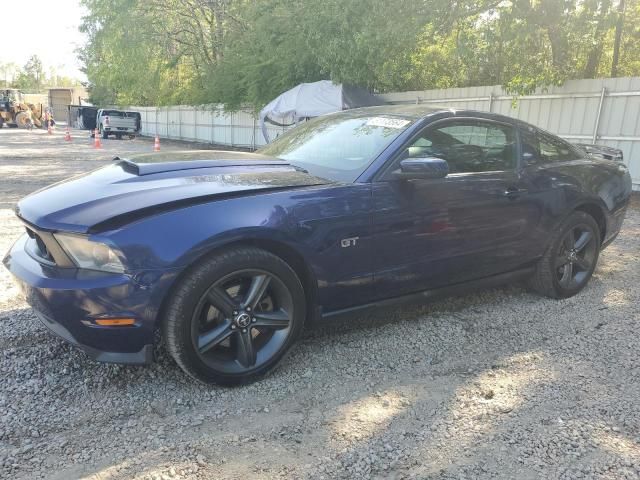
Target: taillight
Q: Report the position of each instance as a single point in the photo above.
(106, 120)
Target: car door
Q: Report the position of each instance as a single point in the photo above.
(471, 224)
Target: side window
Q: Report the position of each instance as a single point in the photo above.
(530, 146)
(539, 148)
(467, 146)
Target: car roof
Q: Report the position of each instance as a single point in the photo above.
(416, 112)
(409, 111)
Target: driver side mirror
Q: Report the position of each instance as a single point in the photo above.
(424, 168)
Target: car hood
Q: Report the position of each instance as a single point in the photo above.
(130, 189)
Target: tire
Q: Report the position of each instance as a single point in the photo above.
(570, 259)
(233, 317)
(23, 120)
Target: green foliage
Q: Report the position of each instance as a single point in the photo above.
(32, 78)
(33, 71)
(239, 52)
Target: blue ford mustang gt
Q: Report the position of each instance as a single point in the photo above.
(228, 254)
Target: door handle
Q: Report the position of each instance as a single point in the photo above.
(513, 192)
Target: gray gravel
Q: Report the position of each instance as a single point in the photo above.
(495, 384)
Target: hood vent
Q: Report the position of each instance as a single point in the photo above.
(144, 168)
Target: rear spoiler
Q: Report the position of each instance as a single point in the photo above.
(602, 151)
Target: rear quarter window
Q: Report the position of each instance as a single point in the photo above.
(114, 113)
(541, 148)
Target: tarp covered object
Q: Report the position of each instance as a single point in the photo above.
(311, 100)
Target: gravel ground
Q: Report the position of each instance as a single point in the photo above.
(495, 384)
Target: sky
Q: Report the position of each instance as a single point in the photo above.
(49, 29)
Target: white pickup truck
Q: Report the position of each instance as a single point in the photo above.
(118, 123)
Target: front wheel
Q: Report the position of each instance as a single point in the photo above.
(23, 120)
(234, 316)
(571, 258)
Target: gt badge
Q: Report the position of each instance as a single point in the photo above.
(349, 242)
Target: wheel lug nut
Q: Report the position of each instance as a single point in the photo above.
(235, 312)
(244, 330)
(253, 320)
(233, 327)
(248, 309)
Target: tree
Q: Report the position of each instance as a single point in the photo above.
(34, 70)
(618, 38)
(239, 52)
(8, 73)
(154, 52)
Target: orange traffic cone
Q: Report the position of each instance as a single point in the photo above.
(49, 130)
(96, 139)
(156, 144)
(67, 135)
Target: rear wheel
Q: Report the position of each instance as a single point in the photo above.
(571, 258)
(233, 318)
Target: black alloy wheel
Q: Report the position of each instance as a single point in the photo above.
(242, 320)
(233, 317)
(577, 254)
(570, 259)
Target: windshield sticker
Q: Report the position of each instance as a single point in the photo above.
(387, 122)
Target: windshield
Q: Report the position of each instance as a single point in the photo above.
(338, 147)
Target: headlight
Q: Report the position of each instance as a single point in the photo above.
(90, 255)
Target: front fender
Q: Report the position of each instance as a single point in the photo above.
(175, 239)
(310, 223)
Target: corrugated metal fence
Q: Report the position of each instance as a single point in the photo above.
(206, 124)
(603, 111)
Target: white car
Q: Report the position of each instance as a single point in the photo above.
(118, 123)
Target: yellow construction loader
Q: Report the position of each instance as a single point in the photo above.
(18, 114)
